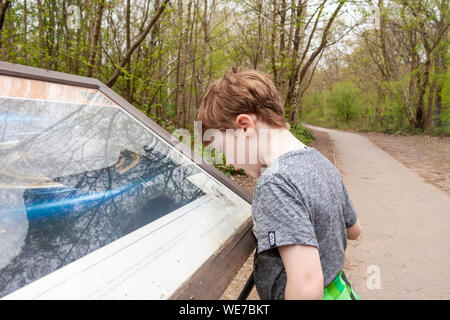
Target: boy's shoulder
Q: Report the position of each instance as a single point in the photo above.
(286, 167)
(298, 170)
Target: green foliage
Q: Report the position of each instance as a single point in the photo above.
(444, 129)
(314, 115)
(229, 170)
(302, 133)
(40, 37)
(345, 100)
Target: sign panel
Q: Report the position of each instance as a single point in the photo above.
(94, 204)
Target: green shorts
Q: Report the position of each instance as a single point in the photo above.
(340, 289)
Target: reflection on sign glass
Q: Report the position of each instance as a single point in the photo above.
(74, 178)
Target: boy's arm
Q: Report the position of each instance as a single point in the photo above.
(354, 231)
(350, 217)
(303, 271)
(282, 221)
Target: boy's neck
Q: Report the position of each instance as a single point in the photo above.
(281, 142)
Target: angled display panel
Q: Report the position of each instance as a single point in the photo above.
(96, 204)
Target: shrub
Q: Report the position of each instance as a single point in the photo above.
(344, 100)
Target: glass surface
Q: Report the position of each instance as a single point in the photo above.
(75, 177)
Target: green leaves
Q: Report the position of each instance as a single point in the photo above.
(345, 100)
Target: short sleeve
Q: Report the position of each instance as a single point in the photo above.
(350, 215)
(280, 218)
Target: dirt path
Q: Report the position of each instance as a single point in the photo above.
(405, 220)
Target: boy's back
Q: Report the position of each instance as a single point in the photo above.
(299, 199)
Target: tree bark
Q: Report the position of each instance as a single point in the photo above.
(41, 33)
(440, 67)
(25, 29)
(127, 66)
(440, 64)
(51, 35)
(181, 101)
(95, 33)
(272, 45)
(3, 8)
(282, 53)
(258, 46)
(292, 75)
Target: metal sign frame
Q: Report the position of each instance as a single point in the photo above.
(213, 277)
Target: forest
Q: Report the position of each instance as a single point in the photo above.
(366, 65)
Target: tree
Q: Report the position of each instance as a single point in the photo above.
(126, 57)
(95, 34)
(3, 7)
(404, 49)
(301, 68)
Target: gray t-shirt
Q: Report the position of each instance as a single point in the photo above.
(300, 199)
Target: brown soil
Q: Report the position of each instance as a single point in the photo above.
(427, 156)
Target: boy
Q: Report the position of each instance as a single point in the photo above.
(302, 214)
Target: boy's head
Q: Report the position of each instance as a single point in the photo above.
(237, 108)
(236, 93)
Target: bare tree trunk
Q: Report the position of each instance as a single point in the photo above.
(41, 33)
(154, 35)
(274, 38)
(98, 57)
(127, 66)
(51, 35)
(292, 75)
(291, 27)
(424, 79)
(181, 102)
(282, 30)
(431, 96)
(206, 49)
(195, 83)
(68, 43)
(282, 52)
(259, 40)
(263, 35)
(95, 27)
(409, 101)
(440, 70)
(3, 8)
(440, 64)
(179, 55)
(206, 23)
(79, 35)
(387, 69)
(25, 29)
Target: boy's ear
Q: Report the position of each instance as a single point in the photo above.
(245, 121)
